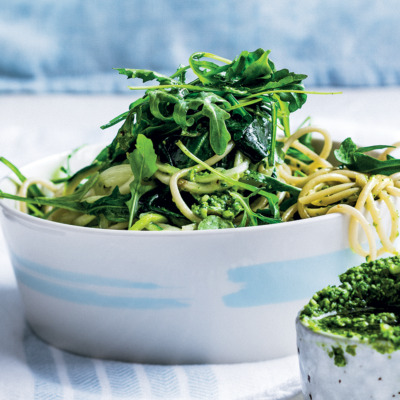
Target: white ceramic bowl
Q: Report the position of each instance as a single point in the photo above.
(367, 374)
(181, 297)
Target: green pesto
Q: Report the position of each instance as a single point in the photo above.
(351, 349)
(365, 306)
(337, 354)
(223, 205)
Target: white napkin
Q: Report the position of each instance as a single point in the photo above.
(32, 370)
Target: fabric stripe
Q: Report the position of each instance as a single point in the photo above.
(68, 393)
(202, 382)
(163, 381)
(182, 381)
(103, 378)
(42, 364)
(83, 377)
(123, 380)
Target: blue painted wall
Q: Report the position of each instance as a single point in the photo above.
(72, 45)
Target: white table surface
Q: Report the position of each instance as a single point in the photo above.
(35, 126)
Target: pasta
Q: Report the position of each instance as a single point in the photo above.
(331, 190)
(325, 189)
(217, 152)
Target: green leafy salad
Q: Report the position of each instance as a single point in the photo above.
(207, 152)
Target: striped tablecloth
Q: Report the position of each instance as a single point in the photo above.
(32, 370)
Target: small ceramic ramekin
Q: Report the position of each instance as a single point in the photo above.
(334, 367)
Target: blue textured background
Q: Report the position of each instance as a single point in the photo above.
(72, 45)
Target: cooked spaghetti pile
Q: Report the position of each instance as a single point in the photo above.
(217, 152)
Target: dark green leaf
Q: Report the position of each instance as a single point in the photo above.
(210, 106)
(253, 139)
(345, 153)
(113, 207)
(71, 202)
(267, 216)
(250, 66)
(159, 200)
(270, 183)
(354, 158)
(145, 75)
(198, 145)
(143, 164)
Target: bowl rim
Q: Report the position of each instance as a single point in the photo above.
(330, 335)
(115, 232)
(340, 339)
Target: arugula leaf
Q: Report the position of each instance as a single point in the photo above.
(113, 207)
(145, 75)
(271, 183)
(354, 158)
(219, 135)
(207, 105)
(160, 101)
(208, 72)
(143, 164)
(71, 202)
(33, 189)
(252, 216)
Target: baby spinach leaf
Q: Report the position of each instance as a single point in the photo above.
(294, 99)
(346, 152)
(159, 200)
(354, 158)
(199, 146)
(250, 66)
(253, 139)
